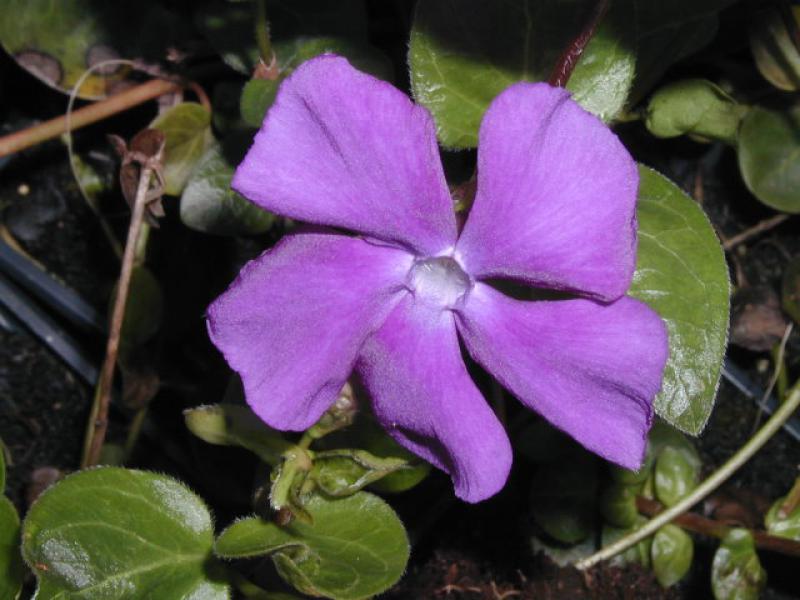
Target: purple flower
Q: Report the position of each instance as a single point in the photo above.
(554, 209)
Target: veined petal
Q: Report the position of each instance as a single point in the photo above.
(556, 197)
(590, 369)
(339, 147)
(424, 397)
(294, 320)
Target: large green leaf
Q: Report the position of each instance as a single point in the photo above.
(187, 128)
(208, 203)
(12, 570)
(116, 533)
(736, 573)
(465, 52)
(769, 157)
(671, 554)
(681, 274)
(58, 40)
(356, 547)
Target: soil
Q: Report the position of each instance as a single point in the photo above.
(460, 551)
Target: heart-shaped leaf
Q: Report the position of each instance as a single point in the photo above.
(355, 548)
(681, 273)
(459, 62)
(736, 573)
(187, 128)
(12, 570)
(234, 425)
(671, 554)
(112, 533)
(769, 156)
(208, 203)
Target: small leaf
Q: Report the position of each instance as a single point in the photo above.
(697, 107)
(234, 425)
(681, 273)
(736, 573)
(459, 63)
(355, 548)
(111, 532)
(187, 128)
(675, 476)
(790, 293)
(344, 472)
(12, 570)
(257, 96)
(769, 157)
(208, 203)
(775, 52)
(563, 498)
(638, 554)
(786, 527)
(671, 554)
(618, 505)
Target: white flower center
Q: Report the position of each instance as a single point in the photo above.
(439, 280)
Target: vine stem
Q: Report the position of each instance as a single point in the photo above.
(569, 58)
(716, 479)
(98, 419)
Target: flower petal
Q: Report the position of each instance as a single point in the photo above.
(590, 369)
(294, 320)
(424, 397)
(339, 147)
(556, 197)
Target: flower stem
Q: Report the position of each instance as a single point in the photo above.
(262, 31)
(569, 58)
(716, 479)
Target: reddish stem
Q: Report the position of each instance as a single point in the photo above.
(567, 61)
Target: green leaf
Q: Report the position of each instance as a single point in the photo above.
(769, 157)
(12, 570)
(344, 472)
(775, 52)
(667, 32)
(187, 128)
(790, 292)
(736, 572)
(208, 203)
(144, 309)
(783, 526)
(638, 554)
(697, 107)
(356, 547)
(234, 425)
(257, 96)
(562, 499)
(58, 41)
(618, 505)
(682, 275)
(675, 475)
(671, 554)
(459, 63)
(111, 532)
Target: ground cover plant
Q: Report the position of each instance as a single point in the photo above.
(415, 299)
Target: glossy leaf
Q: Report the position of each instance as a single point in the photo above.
(344, 472)
(618, 505)
(681, 273)
(697, 107)
(562, 500)
(675, 476)
(671, 554)
(769, 157)
(235, 425)
(787, 526)
(736, 573)
(187, 128)
(208, 203)
(790, 293)
(355, 548)
(112, 533)
(459, 63)
(12, 570)
(776, 54)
